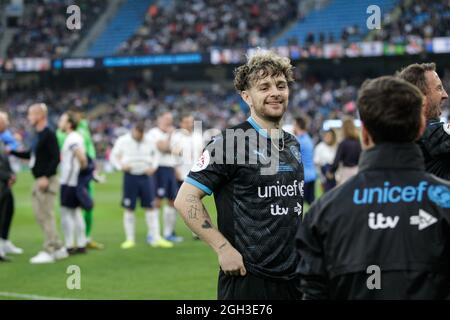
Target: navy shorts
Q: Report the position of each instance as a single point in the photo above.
(68, 197)
(135, 186)
(166, 183)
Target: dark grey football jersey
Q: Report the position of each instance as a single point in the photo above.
(258, 193)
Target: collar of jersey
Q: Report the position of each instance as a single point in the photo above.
(258, 128)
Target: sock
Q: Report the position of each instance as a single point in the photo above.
(152, 218)
(68, 226)
(80, 229)
(88, 221)
(128, 224)
(2, 250)
(170, 218)
(89, 214)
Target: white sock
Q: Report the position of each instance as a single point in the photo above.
(80, 229)
(170, 218)
(152, 218)
(2, 250)
(128, 225)
(68, 226)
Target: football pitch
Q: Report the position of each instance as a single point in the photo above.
(187, 271)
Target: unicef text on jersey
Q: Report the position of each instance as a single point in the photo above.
(438, 194)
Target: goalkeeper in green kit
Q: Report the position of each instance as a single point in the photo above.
(86, 177)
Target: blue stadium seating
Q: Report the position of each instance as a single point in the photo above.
(335, 16)
(129, 18)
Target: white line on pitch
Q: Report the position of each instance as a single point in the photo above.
(29, 296)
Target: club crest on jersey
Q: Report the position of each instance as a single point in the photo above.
(296, 153)
(202, 162)
(440, 195)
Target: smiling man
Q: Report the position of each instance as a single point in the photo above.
(258, 209)
(435, 142)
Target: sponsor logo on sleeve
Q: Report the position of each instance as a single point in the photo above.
(446, 127)
(202, 162)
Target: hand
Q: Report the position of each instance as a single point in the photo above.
(126, 168)
(231, 261)
(7, 150)
(150, 171)
(329, 175)
(11, 181)
(43, 183)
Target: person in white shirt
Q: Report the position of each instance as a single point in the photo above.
(73, 159)
(165, 178)
(324, 155)
(187, 147)
(134, 153)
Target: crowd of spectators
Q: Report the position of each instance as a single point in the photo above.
(42, 31)
(199, 25)
(420, 19)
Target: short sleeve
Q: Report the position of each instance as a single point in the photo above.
(212, 168)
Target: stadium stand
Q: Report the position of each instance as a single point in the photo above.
(129, 17)
(326, 24)
(40, 33)
(193, 25)
(423, 19)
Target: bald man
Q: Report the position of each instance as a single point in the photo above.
(7, 179)
(44, 160)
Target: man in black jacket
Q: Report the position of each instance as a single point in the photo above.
(44, 160)
(7, 179)
(435, 142)
(385, 233)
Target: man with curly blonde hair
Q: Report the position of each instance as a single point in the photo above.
(258, 209)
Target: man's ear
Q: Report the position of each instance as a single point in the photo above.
(423, 123)
(366, 139)
(246, 97)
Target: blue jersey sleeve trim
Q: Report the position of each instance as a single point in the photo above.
(197, 184)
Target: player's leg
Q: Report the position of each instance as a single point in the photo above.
(8, 212)
(80, 231)
(8, 246)
(2, 224)
(74, 228)
(169, 211)
(43, 203)
(147, 195)
(130, 192)
(68, 227)
(89, 220)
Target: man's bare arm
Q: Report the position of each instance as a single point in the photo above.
(81, 156)
(197, 218)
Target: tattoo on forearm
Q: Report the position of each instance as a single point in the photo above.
(192, 198)
(206, 225)
(193, 212)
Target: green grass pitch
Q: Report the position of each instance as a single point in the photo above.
(187, 271)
